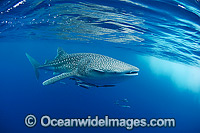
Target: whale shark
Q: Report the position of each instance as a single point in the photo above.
(87, 69)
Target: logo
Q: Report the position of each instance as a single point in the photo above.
(30, 121)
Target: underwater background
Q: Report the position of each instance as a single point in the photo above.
(160, 37)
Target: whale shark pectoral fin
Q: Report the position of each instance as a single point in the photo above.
(57, 78)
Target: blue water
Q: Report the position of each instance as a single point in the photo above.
(161, 37)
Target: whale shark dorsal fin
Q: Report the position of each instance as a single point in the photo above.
(60, 53)
(46, 61)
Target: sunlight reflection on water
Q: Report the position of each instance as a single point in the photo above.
(183, 76)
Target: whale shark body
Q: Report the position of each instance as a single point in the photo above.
(87, 69)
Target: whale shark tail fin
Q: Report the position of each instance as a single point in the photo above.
(35, 65)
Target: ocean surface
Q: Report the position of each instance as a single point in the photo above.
(160, 37)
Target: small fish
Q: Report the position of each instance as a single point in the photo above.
(62, 82)
(117, 102)
(125, 106)
(120, 103)
(124, 100)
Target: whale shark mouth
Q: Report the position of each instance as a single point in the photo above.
(131, 73)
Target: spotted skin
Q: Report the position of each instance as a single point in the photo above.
(88, 67)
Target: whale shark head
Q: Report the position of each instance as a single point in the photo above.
(117, 71)
(109, 70)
